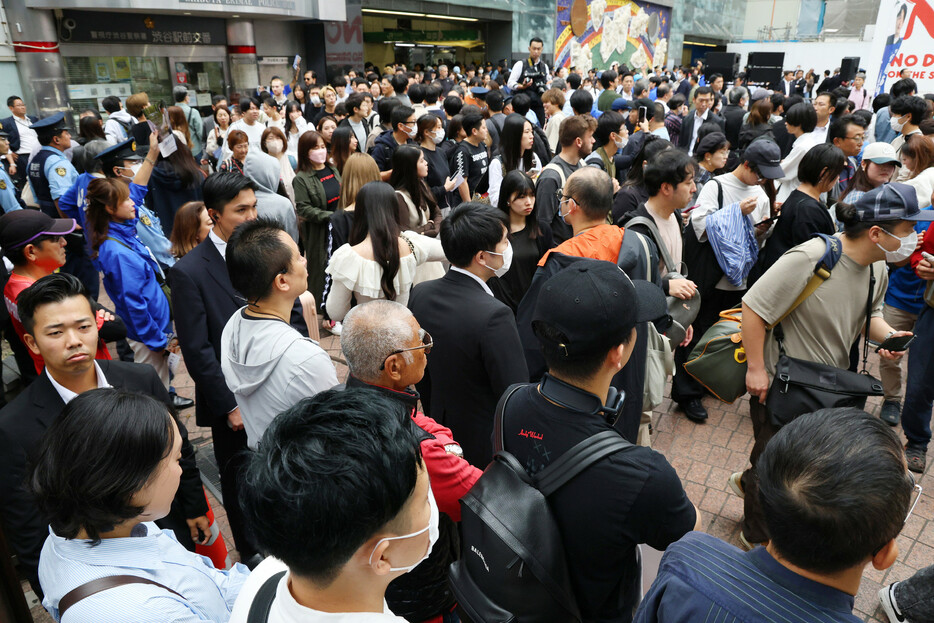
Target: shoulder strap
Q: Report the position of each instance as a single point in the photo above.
(262, 601)
(551, 166)
(648, 257)
(656, 235)
(719, 193)
(872, 289)
(499, 441)
(123, 244)
(579, 458)
(821, 274)
(102, 584)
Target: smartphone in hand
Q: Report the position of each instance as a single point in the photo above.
(896, 344)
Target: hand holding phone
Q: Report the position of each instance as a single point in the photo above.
(896, 343)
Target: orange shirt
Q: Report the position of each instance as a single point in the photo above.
(599, 243)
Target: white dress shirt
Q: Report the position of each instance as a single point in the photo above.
(221, 245)
(68, 395)
(28, 139)
(698, 122)
(486, 288)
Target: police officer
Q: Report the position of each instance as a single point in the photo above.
(8, 200)
(122, 161)
(531, 77)
(50, 173)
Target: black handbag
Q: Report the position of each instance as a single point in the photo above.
(801, 386)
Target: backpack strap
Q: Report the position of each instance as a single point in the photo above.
(832, 253)
(719, 192)
(103, 584)
(499, 440)
(649, 223)
(262, 601)
(551, 166)
(579, 458)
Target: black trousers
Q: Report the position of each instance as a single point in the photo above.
(685, 387)
(754, 528)
(538, 108)
(231, 452)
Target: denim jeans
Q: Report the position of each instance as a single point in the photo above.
(915, 596)
(919, 391)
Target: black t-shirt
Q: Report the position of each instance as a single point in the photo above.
(511, 287)
(801, 218)
(332, 187)
(633, 496)
(471, 162)
(438, 172)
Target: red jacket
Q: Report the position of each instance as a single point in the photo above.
(926, 246)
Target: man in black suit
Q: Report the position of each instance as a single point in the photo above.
(205, 302)
(733, 114)
(703, 101)
(788, 84)
(60, 326)
(477, 349)
(20, 145)
(201, 283)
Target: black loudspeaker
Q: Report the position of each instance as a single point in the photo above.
(726, 63)
(765, 67)
(849, 67)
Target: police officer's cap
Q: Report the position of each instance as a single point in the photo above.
(118, 153)
(4, 133)
(51, 125)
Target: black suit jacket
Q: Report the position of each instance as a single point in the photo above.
(23, 423)
(10, 127)
(477, 355)
(732, 123)
(687, 127)
(205, 301)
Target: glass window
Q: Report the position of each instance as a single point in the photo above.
(92, 78)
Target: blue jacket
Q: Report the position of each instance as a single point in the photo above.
(130, 278)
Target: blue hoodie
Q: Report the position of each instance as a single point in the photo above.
(131, 280)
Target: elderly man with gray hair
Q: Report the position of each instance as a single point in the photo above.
(386, 350)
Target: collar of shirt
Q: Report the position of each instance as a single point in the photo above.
(482, 283)
(68, 395)
(141, 547)
(702, 117)
(221, 245)
(816, 592)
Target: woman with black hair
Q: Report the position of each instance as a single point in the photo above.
(89, 129)
(380, 259)
(803, 213)
(711, 154)
(295, 126)
(105, 471)
(515, 153)
(633, 193)
(175, 181)
(343, 143)
(800, 122)
(430, 137)
(529, 238)
(418, 210)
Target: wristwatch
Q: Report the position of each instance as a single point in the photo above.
(455, 449)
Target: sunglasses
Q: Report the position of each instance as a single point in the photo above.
(427, 343)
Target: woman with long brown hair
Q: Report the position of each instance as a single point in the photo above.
(917, 157)
(192, 226)
(756, 123)
(175, 180)
(178, 122)
(132, 276)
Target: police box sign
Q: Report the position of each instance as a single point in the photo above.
(298, 9)
(88, 27)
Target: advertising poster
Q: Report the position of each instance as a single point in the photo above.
(597, 33)
(903, 40)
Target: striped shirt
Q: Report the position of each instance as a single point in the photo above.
(701, 578)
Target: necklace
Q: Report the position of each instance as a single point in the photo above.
(254, 310)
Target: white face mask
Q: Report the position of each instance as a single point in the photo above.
(410, 133)
(507, 260)
(621, 142)
(906, 247)
(274, 147)
(315, 100)
(896, 124)
(134, 168)
(431, 528)
(438, 137)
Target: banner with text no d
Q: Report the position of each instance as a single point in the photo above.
(903, 40)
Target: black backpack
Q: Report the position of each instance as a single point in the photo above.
(513, 566)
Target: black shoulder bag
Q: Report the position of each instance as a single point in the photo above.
(801, 386)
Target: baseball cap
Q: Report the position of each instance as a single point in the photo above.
(890, 202)
(20, 227)
(881, 153)
(621, 103)
(591, 303)
(766, 156)
(760, 94)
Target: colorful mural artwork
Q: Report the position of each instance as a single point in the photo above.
(615, 31)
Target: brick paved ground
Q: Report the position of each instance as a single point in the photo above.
(704, 456)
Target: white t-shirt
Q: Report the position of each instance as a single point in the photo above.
(734, 191)
(253, 132)
(286, 610)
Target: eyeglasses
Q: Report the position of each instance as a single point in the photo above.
(427, 343)
(858, 139)
(562, 197)
(915, 487)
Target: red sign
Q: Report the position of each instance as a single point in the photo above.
(181, 77)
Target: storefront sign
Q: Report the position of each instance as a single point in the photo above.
(903, 40)
(299, 9)
(88, 27)
(344, 40)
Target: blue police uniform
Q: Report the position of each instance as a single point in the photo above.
(50, 173)
(8, 201)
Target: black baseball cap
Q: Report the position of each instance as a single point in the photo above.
(20, 227)
(891, 202)
(591, 303)
(766, 156)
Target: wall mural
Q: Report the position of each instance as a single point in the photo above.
(597, 33)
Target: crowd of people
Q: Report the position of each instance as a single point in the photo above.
(516, 260)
